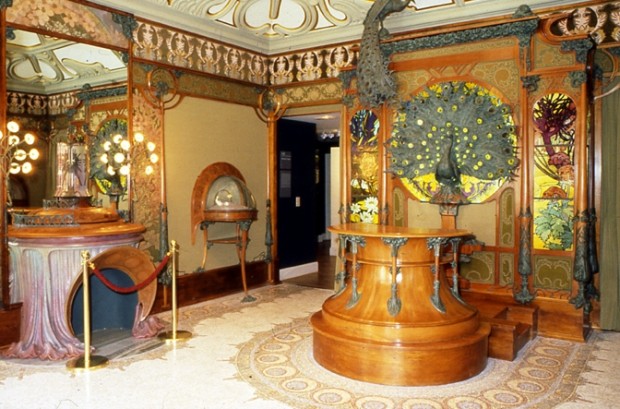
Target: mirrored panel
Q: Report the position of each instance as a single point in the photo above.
(62, 92)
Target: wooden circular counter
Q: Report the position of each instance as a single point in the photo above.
(394, 318)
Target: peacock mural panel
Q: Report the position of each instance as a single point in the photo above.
(454, 142)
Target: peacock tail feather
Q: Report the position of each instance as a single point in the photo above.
(452, 129)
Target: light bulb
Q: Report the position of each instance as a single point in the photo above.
(13, 140)
(148, 170)
(12, 126)
(29, 138)
(33, 154)
(119, 157)
(117, 138)
(111, 171)
(150, 146)
(1, 135)
(27, 167)
(124, 170)
(138, 137)
(20, 154)
(14, 169)
(125, 145)
(107, 145)
(104, 158)
(154, 158)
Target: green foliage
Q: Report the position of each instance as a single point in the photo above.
(554, 225)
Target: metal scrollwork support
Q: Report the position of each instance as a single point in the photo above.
(530, 82)
(394, 303)
(128, 24)
(455, 242)
(581, 272)
(580, 47)
(355, 295)
(591, 289)
(435, 244)
(525, 257)
(340, 279)
(269, 109)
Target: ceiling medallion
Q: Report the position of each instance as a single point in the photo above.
(278, 18)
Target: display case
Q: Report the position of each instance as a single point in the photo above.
(220, 195)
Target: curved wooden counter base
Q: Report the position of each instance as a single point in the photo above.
(395, 320)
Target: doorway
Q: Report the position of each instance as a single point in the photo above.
(309, 145)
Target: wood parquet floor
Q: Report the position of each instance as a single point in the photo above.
(324, 278)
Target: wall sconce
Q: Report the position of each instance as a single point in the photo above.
(15, 154)
(116, 157)
(149, 149)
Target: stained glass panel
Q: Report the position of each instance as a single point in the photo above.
(364, 129)
(554, 171)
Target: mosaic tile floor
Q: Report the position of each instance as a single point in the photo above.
(258, 356)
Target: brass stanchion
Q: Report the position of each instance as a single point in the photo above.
(86, 361)
(174, 335)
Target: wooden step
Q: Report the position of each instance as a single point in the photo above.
(512, 326)
(507, 338)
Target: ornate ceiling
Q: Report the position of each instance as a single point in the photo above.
(46, 65)
(277, 26)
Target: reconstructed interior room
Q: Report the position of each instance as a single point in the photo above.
(309, 203)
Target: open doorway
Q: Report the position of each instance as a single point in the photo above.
(323, 155)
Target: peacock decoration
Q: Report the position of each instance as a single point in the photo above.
(375, 84)
(460, 133)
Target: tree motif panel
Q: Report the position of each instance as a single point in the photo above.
(554, 172)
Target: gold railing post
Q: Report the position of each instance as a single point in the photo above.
(174, 335)
(86, 361)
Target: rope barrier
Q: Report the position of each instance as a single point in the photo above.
(136, 287)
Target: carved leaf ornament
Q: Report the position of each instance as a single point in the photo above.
(454, 135)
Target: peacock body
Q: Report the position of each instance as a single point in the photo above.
(375, 83)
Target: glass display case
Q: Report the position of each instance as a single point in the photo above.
(220, 195)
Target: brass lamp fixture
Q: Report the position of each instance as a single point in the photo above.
(16, 153)
(117, 154)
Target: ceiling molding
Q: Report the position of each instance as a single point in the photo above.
(278, 26)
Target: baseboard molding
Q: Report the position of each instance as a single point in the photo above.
(300, 270)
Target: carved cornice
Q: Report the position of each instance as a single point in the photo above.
(87, 95)
(523, 30)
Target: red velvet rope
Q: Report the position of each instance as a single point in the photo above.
(136, 287)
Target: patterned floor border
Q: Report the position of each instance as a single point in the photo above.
(280, 365)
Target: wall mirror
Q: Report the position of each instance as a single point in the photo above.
(64, 92)
(52, 49)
